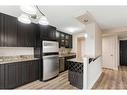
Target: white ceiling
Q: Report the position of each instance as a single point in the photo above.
(63, 17)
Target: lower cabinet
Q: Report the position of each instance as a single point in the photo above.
(13, 75)
(10, 75)
(34, 71)
(1, 76)
(26, 72)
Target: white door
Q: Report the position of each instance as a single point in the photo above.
(108, 46)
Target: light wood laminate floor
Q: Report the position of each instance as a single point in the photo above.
(112, 79)
(60, 82)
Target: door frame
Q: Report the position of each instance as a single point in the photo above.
(122, 39)
(116, 51)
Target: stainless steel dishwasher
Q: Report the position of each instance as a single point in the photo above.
(61, 64)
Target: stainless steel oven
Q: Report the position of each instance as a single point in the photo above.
(50, 59)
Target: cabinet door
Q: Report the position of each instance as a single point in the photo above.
(22, 35)
(25, 72)
(52, 33)
(67, 41)
(34, 74)
(43, 31)
(10, 30)
(47, 32)
(10, 76)
(2, 76)
(18, 74)
(1, 30)
(31, 35)
(62, 40)
(26, 35)
(70, 41)
(57, 34)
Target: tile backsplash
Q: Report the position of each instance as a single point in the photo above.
(14, 51)
(64, 50)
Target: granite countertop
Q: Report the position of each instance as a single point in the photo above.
(67, 55)
(78, 60)
(11, 59)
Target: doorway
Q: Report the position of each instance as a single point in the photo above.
(80, 47)
(110, 52)
(123, 52)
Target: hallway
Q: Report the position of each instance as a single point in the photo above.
(111, 79)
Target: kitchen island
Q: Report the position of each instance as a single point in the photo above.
(75, 72)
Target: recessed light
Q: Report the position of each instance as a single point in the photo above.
(72, 29)
(86, 35)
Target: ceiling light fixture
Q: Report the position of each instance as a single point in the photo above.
(31, 13)
(24, 19)
(43, 21)
(29, 9)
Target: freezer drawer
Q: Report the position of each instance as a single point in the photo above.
(50, 66)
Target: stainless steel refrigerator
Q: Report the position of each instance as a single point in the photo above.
(50, 59)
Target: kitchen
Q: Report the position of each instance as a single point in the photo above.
(33, 55)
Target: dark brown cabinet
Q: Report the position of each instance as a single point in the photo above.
(70, 43)
(30, 71)
(16, 34)
(16, 74)
(25, 72)
(47, 32)
(26, 35)
(62, 40)
(65, 40)
(19, 73)
(34, 70)
(10, 31)
(10, 76)
(1, 30)
(2, 76)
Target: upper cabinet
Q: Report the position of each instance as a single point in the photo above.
(10, 31)
(47, 32)
(16, 34)
(26, 35)
(50, 33)
(62, 39)
(1, 30)
(65, 40)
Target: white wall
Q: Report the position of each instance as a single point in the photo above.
(93, 48)
(75, 37)
(83, 48)
(94, 72)
(98, 41)
(90, 41)
(13, 51)
(94, 40)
